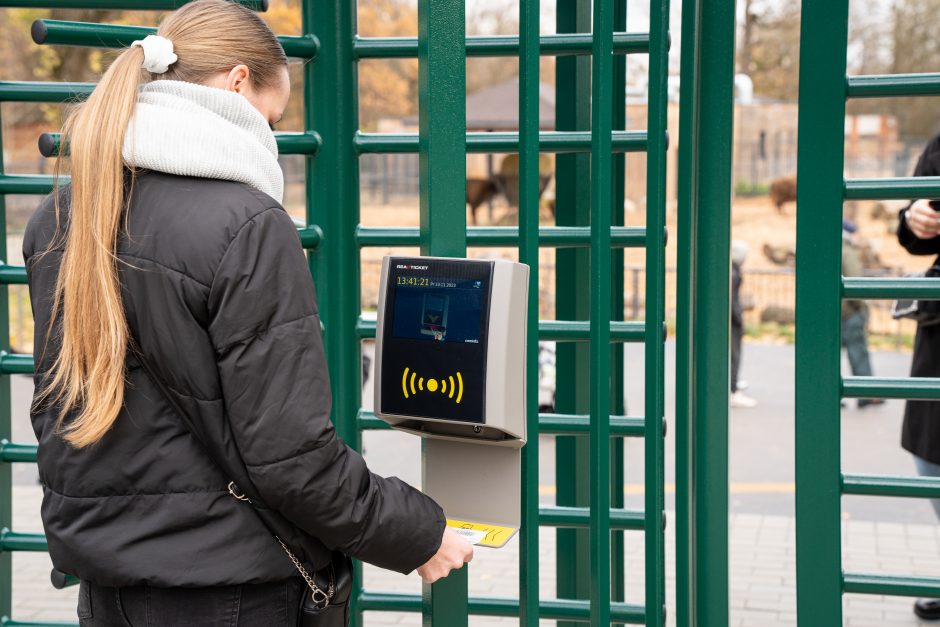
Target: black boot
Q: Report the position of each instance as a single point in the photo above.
(928, 609)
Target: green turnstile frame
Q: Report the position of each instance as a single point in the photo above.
(590, 142)
(820, 482)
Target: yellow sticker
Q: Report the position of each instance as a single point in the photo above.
(482, 534)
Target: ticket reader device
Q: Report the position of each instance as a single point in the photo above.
(450, 367)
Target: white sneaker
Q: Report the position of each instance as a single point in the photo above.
(743, 385)
(742, 401)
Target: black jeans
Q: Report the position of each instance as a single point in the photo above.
(249, 605)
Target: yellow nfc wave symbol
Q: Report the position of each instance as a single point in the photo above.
(411, 384)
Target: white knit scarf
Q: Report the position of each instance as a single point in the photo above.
(195, 130)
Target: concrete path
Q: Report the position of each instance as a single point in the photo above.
(898, 536)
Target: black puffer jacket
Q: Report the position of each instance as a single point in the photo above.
(920, 433)
(218, 293)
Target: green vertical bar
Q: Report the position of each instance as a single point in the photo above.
(572, 297)
(529, 254)
(824, 35)
(656, 312)
(442, 125)
(443, 166)
(687, 246)
(601, 159)
(617, 498)
(6, 471)
(331, 107)
(710, 294)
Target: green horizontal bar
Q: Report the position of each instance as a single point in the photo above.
(892, 85)
(890, 288)
(305, 143)
(310, 236)
(549, 424)
(909, 388)
(557, 330)
(549, 236)
(17, 363)
(879, 485)
(549, 609)
(485, 142)
(908, 188)
(117, 5)
(9, 622)
(573, 517)
(302, 143)
(60, 580)
(891, 585)
(12, 275)
(573, 424)
(13, 453)
(59, 32)
(579, 330)
(34, 184)
(13, 541)
(500, 45)
(40, 91)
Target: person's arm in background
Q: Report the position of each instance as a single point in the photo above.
(265, 327)
(919, 223)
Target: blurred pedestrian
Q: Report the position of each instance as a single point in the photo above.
(918, 228)
(739, 399)
(855, 313)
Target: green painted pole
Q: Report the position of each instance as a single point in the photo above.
(331, 107)
(6, 470)
(824, 37)
(618, 576)
(443, 170)
(573, 200)
(686, 252)
(529, 254)
(601, 196)
(702, 445)
(656, 313)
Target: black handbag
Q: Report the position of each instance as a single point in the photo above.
(327, 604)
(925, 312)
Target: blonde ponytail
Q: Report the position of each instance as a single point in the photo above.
(88, 375)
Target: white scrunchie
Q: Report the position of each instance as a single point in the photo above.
(158, 53)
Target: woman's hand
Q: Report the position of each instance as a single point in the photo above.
(453, 554)
(923, 221)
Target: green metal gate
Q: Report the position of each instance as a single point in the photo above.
(820, 482)
(590, 236)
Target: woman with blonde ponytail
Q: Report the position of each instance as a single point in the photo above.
(177, 330)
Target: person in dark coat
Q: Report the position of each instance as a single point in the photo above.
(918, 229)
(855, 313)
(738, 399)
(169, 258)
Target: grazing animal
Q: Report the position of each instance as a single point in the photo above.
(782, 191)
(478, 192)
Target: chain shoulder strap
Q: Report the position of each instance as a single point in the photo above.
(320, 597)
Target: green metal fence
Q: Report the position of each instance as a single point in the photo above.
(820, 482)
(589, 238)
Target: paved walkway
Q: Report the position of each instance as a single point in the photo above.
(890, 536)
(762, 572)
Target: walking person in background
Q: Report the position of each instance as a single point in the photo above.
(918, 228)
(855, 314)
(176, 319)
(739, 399)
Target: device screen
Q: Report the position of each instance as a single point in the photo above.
(442, 310)
(434, 348)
